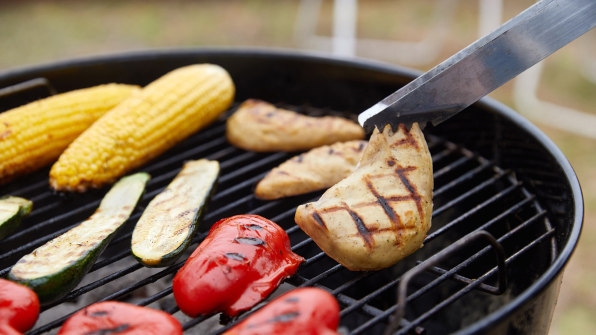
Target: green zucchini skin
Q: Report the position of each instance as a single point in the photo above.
(18, 208)
(55, 268)
(170, 221)
(58, 284)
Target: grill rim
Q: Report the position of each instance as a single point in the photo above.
(554, 273)
(548, 281)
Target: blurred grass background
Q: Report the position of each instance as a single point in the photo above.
(39, 31)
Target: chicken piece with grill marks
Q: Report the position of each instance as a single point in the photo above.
(314, 170)
(380, 213)
(260, 126)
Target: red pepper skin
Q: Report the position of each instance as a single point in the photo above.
(306, 310)
(19, 307)
(242, 260)
(6, 329)
(114, 317)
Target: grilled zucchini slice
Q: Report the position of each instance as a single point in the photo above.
(170, 221)
(12, 211)
(55, 268)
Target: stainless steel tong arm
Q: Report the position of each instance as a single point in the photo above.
(484, 65)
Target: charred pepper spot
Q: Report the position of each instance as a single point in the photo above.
(97, 314)
(292, 300)
(285, 317)
(107, 331)
(235, 256)
(250, 240)
(253, 227)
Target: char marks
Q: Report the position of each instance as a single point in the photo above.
(362, 228)
(409, 139)
(318, 219)
(381, 212)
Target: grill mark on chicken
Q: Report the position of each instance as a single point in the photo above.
(409, 140)
(318, 219)
(414, 194)
(401, 172)
(382, 201)
(362, 228)
(387, 201)
(269, 112)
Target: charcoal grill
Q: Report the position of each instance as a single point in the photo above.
(507, 215)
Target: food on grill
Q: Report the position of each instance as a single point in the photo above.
(34, 135)
(19, 308)
(317, 169)
(171, 219)
(57, 266)
(381, 212)
(115, 317)
(305, 310)
(142, 127)
(12, 211)
(260, 126)
(242, 260)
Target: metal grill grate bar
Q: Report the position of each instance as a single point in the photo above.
(466, 187)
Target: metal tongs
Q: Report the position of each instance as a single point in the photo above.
(484, 65)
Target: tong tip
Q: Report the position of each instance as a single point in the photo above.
(381, 115)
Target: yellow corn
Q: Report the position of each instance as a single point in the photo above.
(165, 112)
(34, 135)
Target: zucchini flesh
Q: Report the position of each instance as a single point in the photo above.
(55, 268)
(171, 219)
(12, 211)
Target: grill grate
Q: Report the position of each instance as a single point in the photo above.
(472, 195)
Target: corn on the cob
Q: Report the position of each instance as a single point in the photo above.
(34, 135)
(142, 127)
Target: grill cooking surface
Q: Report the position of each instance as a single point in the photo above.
(471, 194)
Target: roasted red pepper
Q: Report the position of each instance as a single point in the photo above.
(305, 310)
(19, 308)
(114, 317)
(242, 260)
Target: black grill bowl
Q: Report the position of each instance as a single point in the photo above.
(498, 179)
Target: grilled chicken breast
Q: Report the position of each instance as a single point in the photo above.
(314, 170)
(260, 126)
(382, 211)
